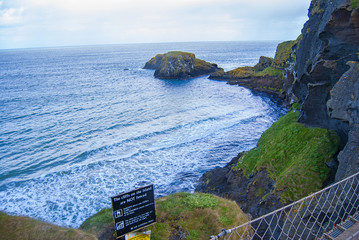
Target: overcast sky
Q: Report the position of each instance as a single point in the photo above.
(42, 23)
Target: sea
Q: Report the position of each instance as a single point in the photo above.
(81, 124)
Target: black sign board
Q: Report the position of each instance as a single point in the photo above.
(134, 210)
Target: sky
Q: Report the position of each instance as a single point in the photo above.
(45, 23)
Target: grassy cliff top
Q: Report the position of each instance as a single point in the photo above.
(14, 228)
(354, 3)
(196, 216)
(178, 53)
(294, 155)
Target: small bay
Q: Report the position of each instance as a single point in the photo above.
(81, 124)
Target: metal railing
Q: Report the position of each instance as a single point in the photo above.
(312, 217)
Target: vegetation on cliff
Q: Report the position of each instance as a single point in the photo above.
(13, 228)
(180, 215)
(273, 67)
(285, 52)
(268, 75)
(354, 3)
(294, 155)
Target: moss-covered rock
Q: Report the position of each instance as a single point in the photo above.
(179, 216)
(268, 75)
(264, 62)
(14, 228)
(179, 65)
(294, 155)
(284, 53)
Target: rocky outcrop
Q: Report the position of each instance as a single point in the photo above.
(267, 84)
(179, 65)
(323, 76)
(330, 40)
(344, 105)
(268, 75)
(263, 63)
(290, 162)
(261, 77)
(253, 194)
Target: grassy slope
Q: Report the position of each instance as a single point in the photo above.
(294, 156)
(354, 3)
(280, 60)
(197, 216)
(13, 228)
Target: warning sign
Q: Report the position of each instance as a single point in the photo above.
(134, 210)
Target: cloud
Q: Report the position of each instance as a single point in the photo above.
(10, 16)
(70, 22)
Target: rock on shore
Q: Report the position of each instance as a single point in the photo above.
(179, 65)
(268, 75)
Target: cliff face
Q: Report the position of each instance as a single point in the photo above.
(330, 40)
(323, 76)
(344, 106)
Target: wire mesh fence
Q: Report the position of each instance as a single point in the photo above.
(313, 217)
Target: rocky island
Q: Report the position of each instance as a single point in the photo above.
(179, 65)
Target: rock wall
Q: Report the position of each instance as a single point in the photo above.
(330, 40)
(344, 106)
(323, 76)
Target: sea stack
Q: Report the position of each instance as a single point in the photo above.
(179, 65)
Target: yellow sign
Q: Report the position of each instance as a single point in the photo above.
(138, 236)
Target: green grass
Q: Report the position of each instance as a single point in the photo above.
(294, 156)
(96, 223)
(354, 3)
(197, 216)
(13, 228)
(270, 71)
(242, 72)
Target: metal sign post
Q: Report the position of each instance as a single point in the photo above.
(134, 210)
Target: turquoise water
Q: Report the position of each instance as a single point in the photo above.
(81, 124)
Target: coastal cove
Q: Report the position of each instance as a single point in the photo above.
(81, 124)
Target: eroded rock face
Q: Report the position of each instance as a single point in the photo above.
(327, 89)
(179, 65)
(344, 105)
(330, 40)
